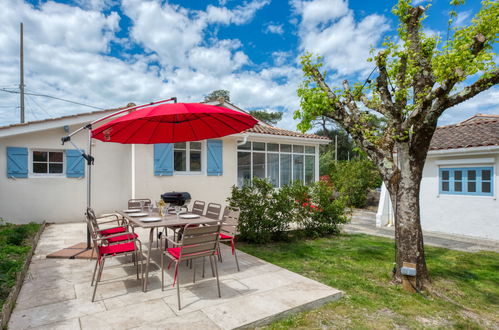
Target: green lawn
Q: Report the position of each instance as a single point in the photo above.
(464, 292)
(14, 247)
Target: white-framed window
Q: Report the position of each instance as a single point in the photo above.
(47, 162)
(187, 157)
(281, 164)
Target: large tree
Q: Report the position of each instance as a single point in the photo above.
(418, 78)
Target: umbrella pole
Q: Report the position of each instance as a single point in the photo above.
(89, 181)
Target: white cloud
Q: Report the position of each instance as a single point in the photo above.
(274, 28)
(329, 28)
(462, 18)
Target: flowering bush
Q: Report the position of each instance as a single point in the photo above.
(268, 214)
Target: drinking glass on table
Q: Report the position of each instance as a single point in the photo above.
(141, 205)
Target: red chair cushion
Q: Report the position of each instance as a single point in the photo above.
(174, 252)
(117, 248)
(121, 238)
(113, 231)
(223, 236)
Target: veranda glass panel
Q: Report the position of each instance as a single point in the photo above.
(285, 148)
(272, 147)
(245, 146)
(309, 169)
(273, 169)
(310, 150)
(260, 146)
(243, 167)
(285, 169)
(298, 167)
(259, 164)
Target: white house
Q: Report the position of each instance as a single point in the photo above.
(459, 186)
(43, 180)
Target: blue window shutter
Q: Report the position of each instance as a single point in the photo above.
(75, 164)
(215, 162)
(17, 162)
(163, 159)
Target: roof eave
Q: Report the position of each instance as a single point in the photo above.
(471, 150)
(284, 137)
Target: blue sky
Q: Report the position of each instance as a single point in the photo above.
(108, 53)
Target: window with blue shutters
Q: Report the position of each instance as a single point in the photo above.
(75, 164)
(17, 162)
(214, 158)
(163, 159)
(478, 181)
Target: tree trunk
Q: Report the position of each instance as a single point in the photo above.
(404, 194)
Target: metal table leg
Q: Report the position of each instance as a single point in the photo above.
(151, 238)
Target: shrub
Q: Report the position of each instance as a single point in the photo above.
(263, 211)
(353, 180)
(267, 213)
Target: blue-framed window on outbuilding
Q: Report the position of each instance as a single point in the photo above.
(478, 181)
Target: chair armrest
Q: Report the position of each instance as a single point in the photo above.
(166, 238)
(132, 237)
(99, 230)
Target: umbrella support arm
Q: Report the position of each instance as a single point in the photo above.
(88, 156)
(67, 138)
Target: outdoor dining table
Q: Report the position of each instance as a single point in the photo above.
(169, 220)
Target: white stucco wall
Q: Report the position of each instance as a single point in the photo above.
(62, 199)
(214, 189)
(476, 216)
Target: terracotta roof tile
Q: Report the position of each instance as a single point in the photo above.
(263, 129)
(478, 133)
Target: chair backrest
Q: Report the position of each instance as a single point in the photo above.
(135, 203)
(230, 220)
(198, 207)
(200, 241)
(92, 224)
(213, 211)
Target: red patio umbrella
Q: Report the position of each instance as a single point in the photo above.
(162, 122)
(174, 122)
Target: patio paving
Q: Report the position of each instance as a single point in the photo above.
(57, 294)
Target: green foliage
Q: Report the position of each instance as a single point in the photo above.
(14, 247)
(458, 58)
(271, 118)
(267, 213)
(353, 180)
(219, 94)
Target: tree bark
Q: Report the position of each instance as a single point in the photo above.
(404, 192)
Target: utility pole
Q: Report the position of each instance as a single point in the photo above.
(336, 148)
(21, 85)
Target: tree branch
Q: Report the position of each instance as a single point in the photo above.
(468, 92)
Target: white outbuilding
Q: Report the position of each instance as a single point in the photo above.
(459, 186)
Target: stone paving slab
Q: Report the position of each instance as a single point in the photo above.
(57, 293)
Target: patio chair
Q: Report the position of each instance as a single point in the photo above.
(105, 250)
(213, 211)
(135, 203)
(197, 242)
(119, 233)
(198, 207)
(230, 220)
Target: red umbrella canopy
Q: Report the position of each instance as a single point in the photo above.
(174, 122)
